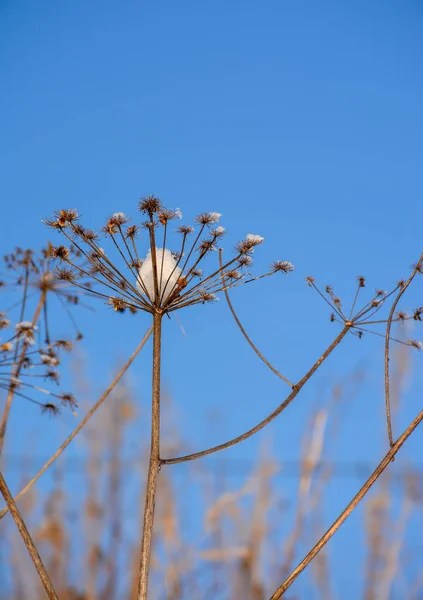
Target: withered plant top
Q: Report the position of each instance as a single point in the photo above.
(164, 280)
(30, 352)
(364, 319)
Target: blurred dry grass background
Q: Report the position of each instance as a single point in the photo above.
(216, 537)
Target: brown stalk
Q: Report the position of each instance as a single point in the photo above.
(16, 373)
(36, 559)
(348, 510)
(83, 422)
(273, 415)
(154, 462)
(416, 269)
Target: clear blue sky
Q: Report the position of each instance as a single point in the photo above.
(300, 121)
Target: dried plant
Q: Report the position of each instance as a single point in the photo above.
(159, 281)
(240, 545)
(29, 352)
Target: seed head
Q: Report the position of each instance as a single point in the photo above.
(166, 215)
(49, 360)
(4, 322)
(417, 315)
(208, 218)
(150, 205)
(254, 239)
(68, 400)
(64, 274)
(118, 304)
(245, 260)
(218, 232)
(282, 265)
(185, 229)
(50, 408)
(165, 280)
(132, 231)
(60, 252)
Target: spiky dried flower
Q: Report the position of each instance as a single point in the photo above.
(254, 239)
(402, 316)
(417, 313)
(218, 232)
(60, 252)
(359, 320)
(4, 323)
(150, 205)
(185, 229)
(48, 359)
(68, 400)
(282, 265)
(50, 409)
(164, 280)
(30, 353)
(166, 215)
(208, 218)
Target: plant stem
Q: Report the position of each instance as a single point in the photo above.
(295, 390)
(416, 270)
(349, 509)
(17, 370)
(45, 579)
(154, 463)
(87, 417)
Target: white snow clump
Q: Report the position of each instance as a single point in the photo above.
(167, 277)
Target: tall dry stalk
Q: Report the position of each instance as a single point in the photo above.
(166, 281)
(160, 284)
(241, 537)
(154, 463)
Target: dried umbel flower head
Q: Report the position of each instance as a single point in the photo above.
(359, 320)
(30, 274)
(23, 363)
(159, 279)
(28, 349)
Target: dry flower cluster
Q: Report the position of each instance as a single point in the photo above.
(159, 281)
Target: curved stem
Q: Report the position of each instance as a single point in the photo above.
(83, 422)
(154, 463)
(244, 333)
(348, 510)
(416, 269)
(273, 415)
(36, 559)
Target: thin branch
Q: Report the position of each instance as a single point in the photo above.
(273, 415)
(244, 333)
(83, 422)
(154, 462)
(11, 392)
(348, 510)
(35, 557)
(416, 269)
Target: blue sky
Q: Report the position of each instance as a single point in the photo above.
(299, 121)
